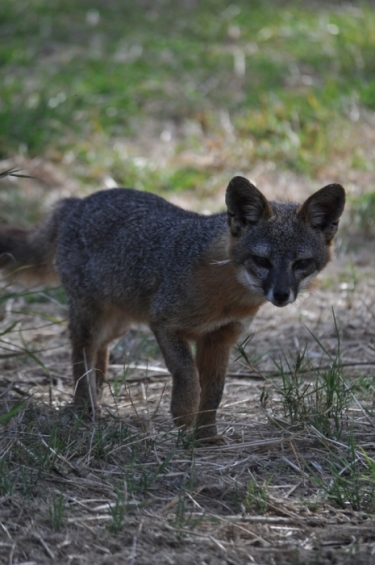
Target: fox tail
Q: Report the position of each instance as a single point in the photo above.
(27, 256)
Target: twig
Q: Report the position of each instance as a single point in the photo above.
(148, 368)
(297, 459)
(267, 373)
(47, 549)
(133, 554)
(357, 403)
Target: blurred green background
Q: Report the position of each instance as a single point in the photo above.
(168, 96)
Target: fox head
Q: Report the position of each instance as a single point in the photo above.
(278, 248)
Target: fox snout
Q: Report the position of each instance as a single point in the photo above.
(281, 286)
(278, 282)
(281, 296)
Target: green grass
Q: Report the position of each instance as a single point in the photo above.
(56, 511)
(78, 79)
(322, 401)
(256, 498)
(362, 214)
(349, 478)
(310, 394)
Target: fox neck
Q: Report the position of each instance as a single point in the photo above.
(222, 286)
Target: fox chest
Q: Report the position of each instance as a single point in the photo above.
(212, 316)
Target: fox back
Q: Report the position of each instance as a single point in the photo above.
(125, 256)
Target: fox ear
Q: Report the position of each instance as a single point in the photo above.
(246, 205)
(322, 210)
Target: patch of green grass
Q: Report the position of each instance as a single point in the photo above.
(186, 439)
(185, 519)
(12, 412)
(49, 440)
(7, 479)
(256, 497)
(362, 215)
(56, 511)
(186, 178)
(252, 359)
(56, 295)
(364, 387)
(321, 400)
(80, 78)
(351, 478)
(118, 510)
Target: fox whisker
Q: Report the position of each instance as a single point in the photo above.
(223, 262)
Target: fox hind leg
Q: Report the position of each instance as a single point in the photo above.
(101, 367)
(84, 356)
(89, 356)
(92, 328)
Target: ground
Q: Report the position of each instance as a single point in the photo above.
(177, 99)
(132, 489)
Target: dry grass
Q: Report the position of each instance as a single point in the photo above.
(131, 489)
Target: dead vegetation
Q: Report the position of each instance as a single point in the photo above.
(294, 481)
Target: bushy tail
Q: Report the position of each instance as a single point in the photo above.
(28, 255)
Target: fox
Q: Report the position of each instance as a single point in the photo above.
(124, 256)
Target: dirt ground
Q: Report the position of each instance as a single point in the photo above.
(131, 489)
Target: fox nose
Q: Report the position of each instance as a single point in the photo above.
(281, 295)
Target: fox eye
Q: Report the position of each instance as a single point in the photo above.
(303, 264)
(261, 261)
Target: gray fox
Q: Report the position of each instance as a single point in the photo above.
(125, 256)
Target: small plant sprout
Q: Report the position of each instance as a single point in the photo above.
(56, 511)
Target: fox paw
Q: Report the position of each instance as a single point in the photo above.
(208, 435)
(212, 440)
(87, 411)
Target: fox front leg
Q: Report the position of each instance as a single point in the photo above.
(185, 390)
(212, 358)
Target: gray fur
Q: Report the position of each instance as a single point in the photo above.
(125, 256)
